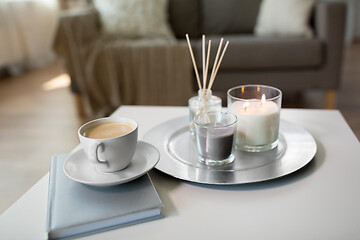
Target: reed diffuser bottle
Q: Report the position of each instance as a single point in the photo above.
(205, 102)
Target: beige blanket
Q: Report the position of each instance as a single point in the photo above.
(110, 72)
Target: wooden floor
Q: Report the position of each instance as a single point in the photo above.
(38, 119)
(34, 124)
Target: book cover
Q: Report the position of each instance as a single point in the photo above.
(77, 209)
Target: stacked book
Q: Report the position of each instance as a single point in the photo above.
(75, 209)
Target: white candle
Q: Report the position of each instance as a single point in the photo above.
(258, 122)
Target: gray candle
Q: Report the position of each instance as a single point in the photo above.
(215, 137)
(214, 142)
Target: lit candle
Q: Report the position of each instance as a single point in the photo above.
(258, 121)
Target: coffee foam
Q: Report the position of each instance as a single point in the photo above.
(108, 130)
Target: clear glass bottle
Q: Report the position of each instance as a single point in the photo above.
(202, 102)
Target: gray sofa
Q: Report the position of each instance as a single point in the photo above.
(293, 64)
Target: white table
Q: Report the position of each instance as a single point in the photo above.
(320, 201)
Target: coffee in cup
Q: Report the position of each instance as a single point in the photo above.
(109, 130)
(109, 143)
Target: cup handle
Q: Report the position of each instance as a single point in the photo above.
(93, 153)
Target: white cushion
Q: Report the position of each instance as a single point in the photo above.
(134, 18)
(284, 18)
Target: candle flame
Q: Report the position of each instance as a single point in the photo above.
(263, 98)
(258, 88)
(242, 89)
(246, 105)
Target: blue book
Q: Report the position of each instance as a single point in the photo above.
(75, 209)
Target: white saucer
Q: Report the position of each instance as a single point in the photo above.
(78, 168)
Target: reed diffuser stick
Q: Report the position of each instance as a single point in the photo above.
(218, 65)
(193, 61)
(203, 61)
(207, 63)
(216, 60)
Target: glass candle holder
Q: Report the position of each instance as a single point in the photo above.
(215, 137)
(257, 108)
(203, 102)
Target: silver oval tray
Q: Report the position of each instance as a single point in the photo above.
(178, 156)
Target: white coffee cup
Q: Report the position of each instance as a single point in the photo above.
(109, 143)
